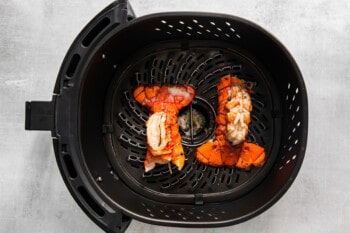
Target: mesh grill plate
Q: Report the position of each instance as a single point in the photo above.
(202, 67)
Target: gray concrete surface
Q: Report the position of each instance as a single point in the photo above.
(34, 37)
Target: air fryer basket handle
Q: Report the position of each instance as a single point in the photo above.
(39, 115)
(44, 115)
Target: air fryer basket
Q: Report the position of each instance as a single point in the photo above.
(99, 130)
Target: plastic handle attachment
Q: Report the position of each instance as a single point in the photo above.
(39, 115)
(123, 11)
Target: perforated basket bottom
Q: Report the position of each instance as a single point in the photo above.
(200, 64)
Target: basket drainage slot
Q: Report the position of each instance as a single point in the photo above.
(70, 166)
(91, 202)
(95, 31)
(73, 65)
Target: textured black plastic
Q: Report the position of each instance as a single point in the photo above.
(39, 115)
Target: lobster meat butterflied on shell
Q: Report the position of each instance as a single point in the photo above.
(162, 129)
(230, 148)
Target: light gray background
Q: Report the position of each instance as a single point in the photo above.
(34, 37)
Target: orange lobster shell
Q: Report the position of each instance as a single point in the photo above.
(230, 147)
(163, 136)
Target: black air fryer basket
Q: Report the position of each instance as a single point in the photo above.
(98, 129)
